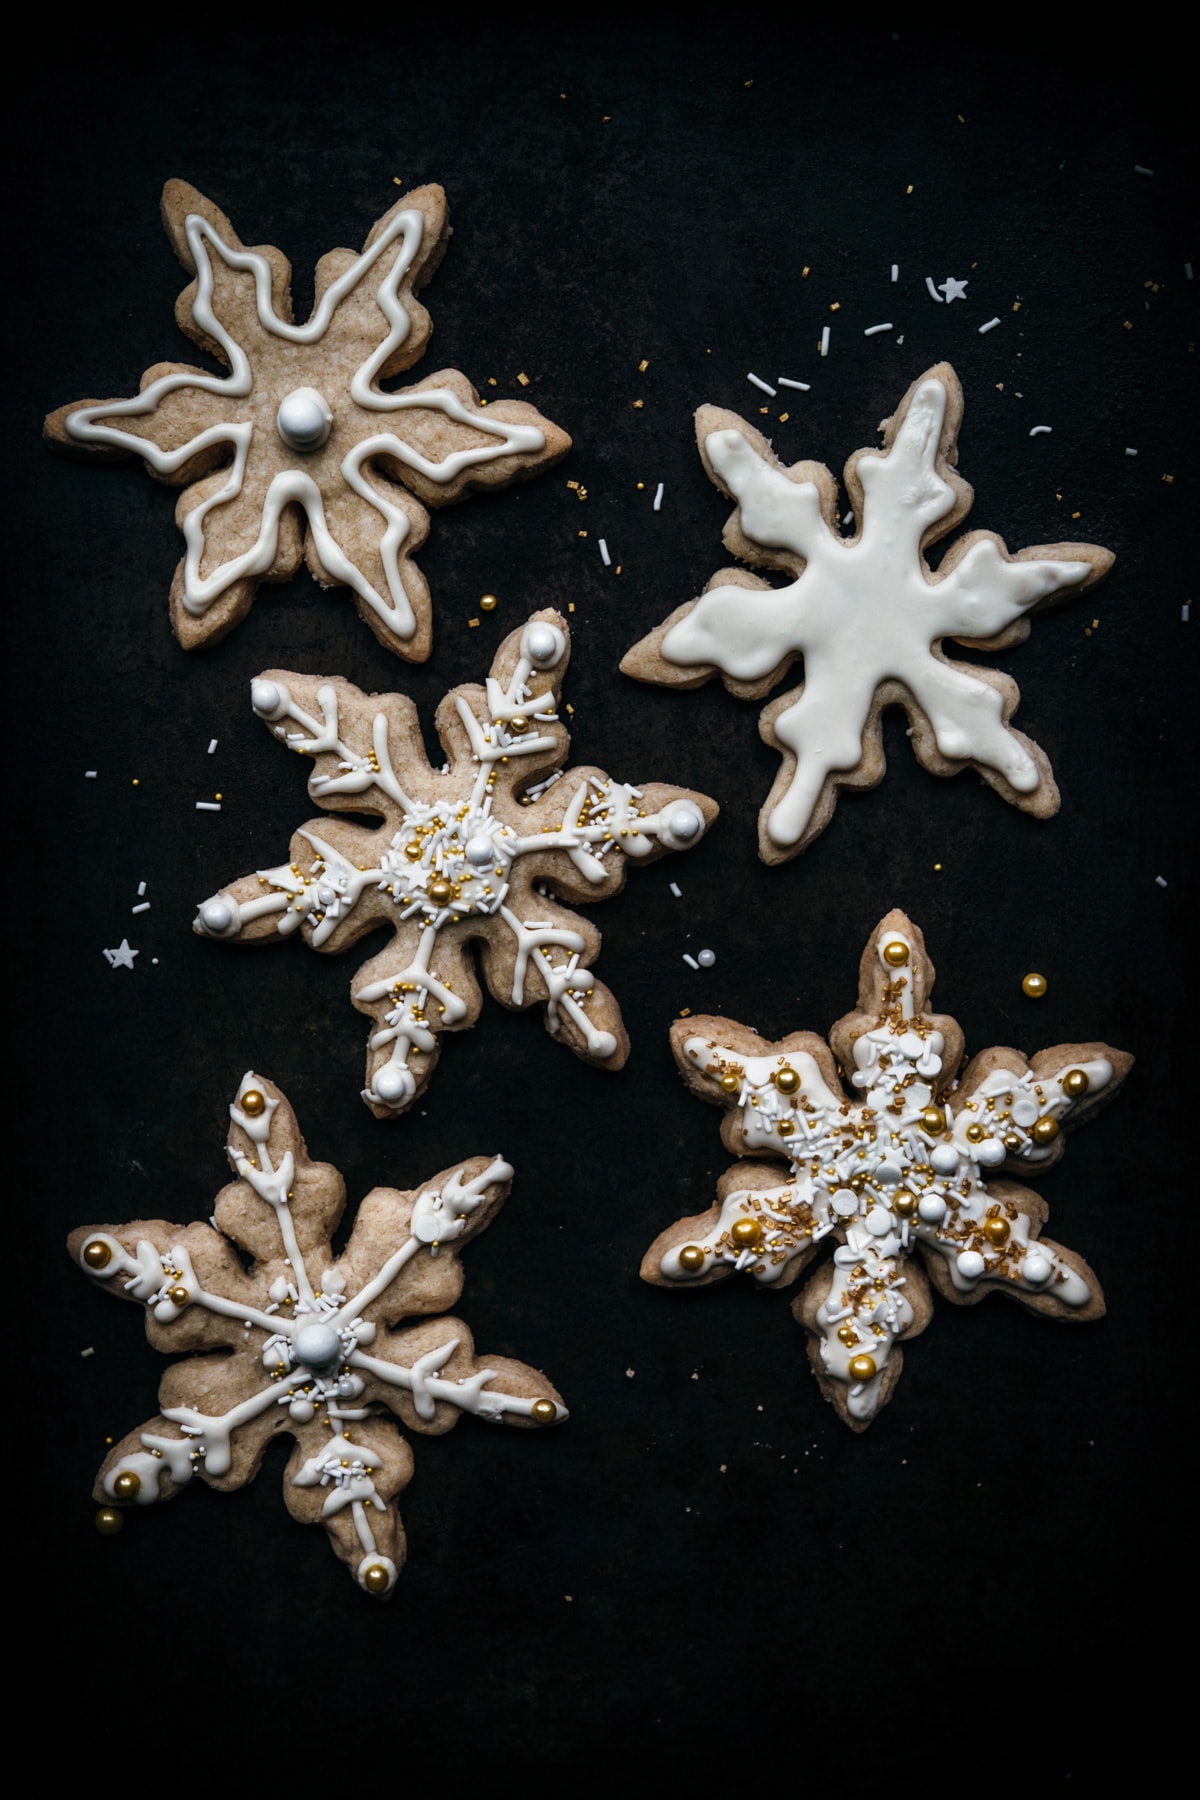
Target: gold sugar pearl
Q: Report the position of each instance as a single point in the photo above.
(1045, 1131)
(996, 1231)
(110, 1520)
(730, 1082)
(1035, 986)
(128, 1485)
(412, 850)
(487, 603)
(847, 1335)
(1075, 1083)
(518, 726)
(933, 1120)
(439, 888)
(862, 1368)
(786, 1080)
(785, 1128)
(1011, 1141)
(976, 1133)
(905, 1204)
(543, 1412)
(746, 1233)
(97, 1254)
(692, 1257)
(178, 1296)
(253, 1103)
(376, 1579)
(895, 954)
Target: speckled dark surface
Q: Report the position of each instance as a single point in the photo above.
(704, 1565)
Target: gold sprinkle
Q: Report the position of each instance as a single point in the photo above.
(1169, 479)
(396, 181)
(581, 534)
(524, 380)
(472, 623)
(762, 409)
(572, 484)
(999, 387)
(491, 381)
(617, 570)
(217, 796)
(607, 119)
(638, 404)
(747, 84)
(641, 486)
(1127, 324)
(570, 708)
(937, 868)
(643, 366)
(960, 118)
(1016, 306)
(1074, 515)
(803, 277)
(784, 417)
(136, 782)
(908, 189)
(836, 307)
(683, 1013)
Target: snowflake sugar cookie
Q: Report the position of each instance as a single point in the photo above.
(464, 855)
(866, 614)
(907, 1165)
(306, 1341)
(300, 432)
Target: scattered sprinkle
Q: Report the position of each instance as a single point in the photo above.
(1035, 429)
(760, 383)
(207, 806)
(90, 774)
(397, 181)
(825, 341)
(570, 608)
(872, 329)
(801, 387)
(908, 189)
(605, 558)
(141, 889)
(1169, 479)
(803, 276)
(836, 306)
(678, 891)
(90, 1351)
(524, 380)
(691, 961)
(638, 405)
(142, 906)
(471, 624)
(1160, 881)
(631, 1373)
(707, 958)
(933, 293)
(1129, 451)
(1138, 170)
(487, 603)
(643, 366)
(1185, 612)
(658, 497)
(937, 868)
(895, 271)
(1128, 324)
(212, 745)
(990, 326)
(135, 782)
(122, 957)
(684, 1011)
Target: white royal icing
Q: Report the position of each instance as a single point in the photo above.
(303, 422)
(870, 1174)
(310, 1340)
(864, 610)
(452, 860)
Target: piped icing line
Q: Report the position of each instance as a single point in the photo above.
(305, 1345)
(451, 860)
(299, 423)
(866, 614)
(903, 1167)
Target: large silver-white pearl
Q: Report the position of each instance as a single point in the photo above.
(479, 851)
(317, 1346)
(304, 420)
(542, 643)
(218, 916)
(681, 824)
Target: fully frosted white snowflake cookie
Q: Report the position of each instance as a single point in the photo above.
(312, 456)
(910, 1164)
(866, 613)
(468, 854)
(305, 1341)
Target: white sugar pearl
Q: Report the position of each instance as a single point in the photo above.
(393, 1083)
(479, 851)
(304, 420)
(1037, 1270)
(301, 1410)
(991, 1153)
(932, 1209)
(878, 1221)
(970, 1265)
(944, 1158)
(264, 698)
(706, 958)
(317, 1346)
(326, 895)
(216, 916)
(542, 643)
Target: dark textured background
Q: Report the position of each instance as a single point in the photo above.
(704, 1566)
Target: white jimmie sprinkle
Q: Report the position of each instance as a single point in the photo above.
(825, 341)
(895, 271)
(1187, 269)
(1185, 612)
(1160, 881)
(990, 326)
(208, 806)
(141, 889)
(765, 387)
(212, 744)
(1130, 451)
(1138, 170)
(90, 774)
(933, 293)
(693, 964)
(658, 497)
(1034, 430)
(677, 890)
(143, 906)
(872, 329)
(802, 387)
(605, 558)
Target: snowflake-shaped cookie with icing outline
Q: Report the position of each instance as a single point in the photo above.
(465, 855)
(908, 1165)
(866, 613)
(299, 430)
(305, 1341)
